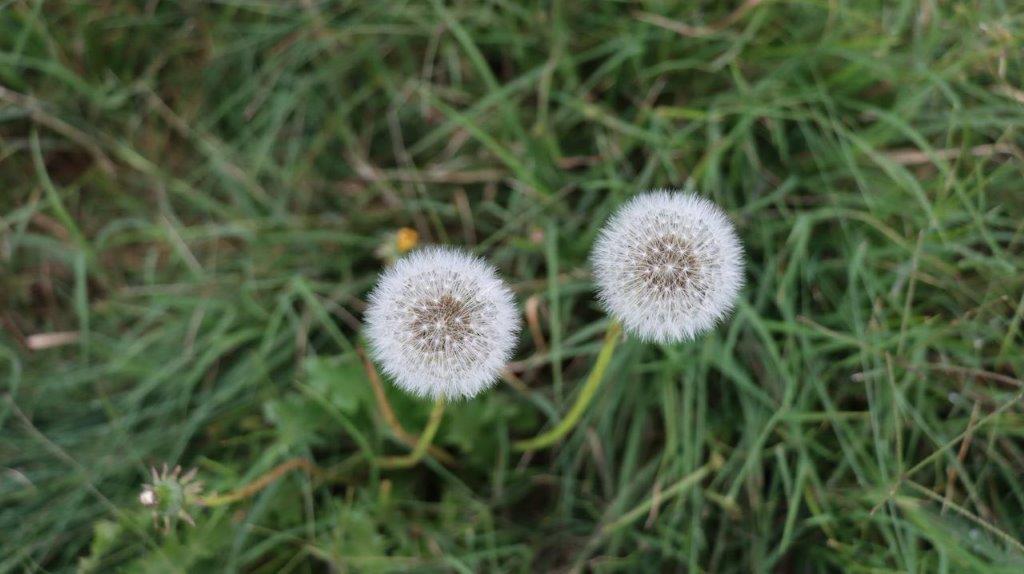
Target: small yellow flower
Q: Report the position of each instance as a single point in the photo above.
(406, 239)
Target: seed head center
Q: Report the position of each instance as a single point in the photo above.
(441, 323)
(668, 264)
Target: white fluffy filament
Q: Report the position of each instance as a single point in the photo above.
(668, 266)
(442, 324)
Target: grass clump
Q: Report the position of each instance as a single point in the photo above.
(197, 197)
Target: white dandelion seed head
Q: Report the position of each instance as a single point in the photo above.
(441, 323)
(668, 266)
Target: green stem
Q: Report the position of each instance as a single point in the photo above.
(587, 393)
(262, 482)
(420, 449)
(280, 470)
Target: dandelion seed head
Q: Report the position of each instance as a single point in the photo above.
(668, 265)
(441, 323)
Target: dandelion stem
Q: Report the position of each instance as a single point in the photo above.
(422, 445)
(262, 482)
(587, 393)
(388, 414)
(334, 473)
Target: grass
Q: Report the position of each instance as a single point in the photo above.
(203, 192)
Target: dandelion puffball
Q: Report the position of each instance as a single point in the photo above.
(668, 266)
(441, 323)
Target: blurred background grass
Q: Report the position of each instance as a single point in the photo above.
(200, 194)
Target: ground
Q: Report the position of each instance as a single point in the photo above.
(196, 198)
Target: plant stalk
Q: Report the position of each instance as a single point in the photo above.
(587, 393)
(422, 445)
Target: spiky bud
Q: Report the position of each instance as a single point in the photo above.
(171, 495)
(441, 323)
(668, 266)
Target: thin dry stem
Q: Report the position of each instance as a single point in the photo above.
(388, 414)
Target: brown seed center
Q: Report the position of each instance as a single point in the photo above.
(668, 264)
(441, 323)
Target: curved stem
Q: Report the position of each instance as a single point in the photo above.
(330, 475)
(590, 387)
(262, 482)
(422, 445)
(384, 408)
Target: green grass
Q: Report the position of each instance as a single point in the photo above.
(200, 191)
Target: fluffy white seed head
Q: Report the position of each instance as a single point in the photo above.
(441, 323)
(668, 266)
